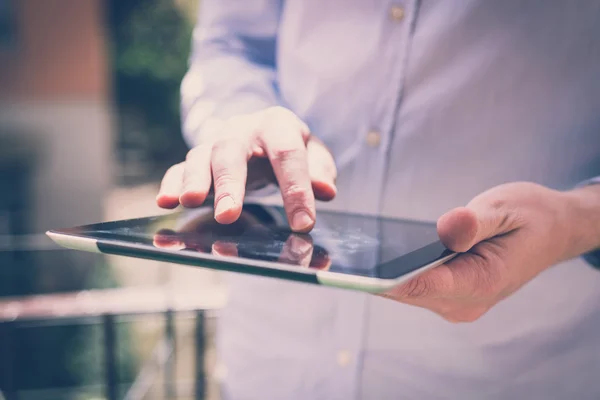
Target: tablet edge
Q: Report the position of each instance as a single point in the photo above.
(74, 242)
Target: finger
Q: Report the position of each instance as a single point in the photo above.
(478, 274)
(320, 259)
(321, 169)
(167, 239)
(435, 283)
(297, 250)
(226, 249)
(170, 187)
(474, 275)
(229, 169)
(484, 217)
(196, 176)
(458, 229)
(286, 150)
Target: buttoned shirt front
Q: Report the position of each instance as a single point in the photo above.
(424, 104)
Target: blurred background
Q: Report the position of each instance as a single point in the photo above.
(89, 121)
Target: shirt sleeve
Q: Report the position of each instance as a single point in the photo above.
(232, 63)
(592, 257)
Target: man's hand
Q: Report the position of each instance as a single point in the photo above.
(507, 236)
(271, 146)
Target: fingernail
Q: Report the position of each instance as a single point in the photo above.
(301, 220)
(224, 205)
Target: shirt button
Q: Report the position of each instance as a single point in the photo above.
(373, 138)
(397, 13)
(343, 358)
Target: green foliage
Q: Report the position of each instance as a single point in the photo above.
(158, 52)
(150, 43)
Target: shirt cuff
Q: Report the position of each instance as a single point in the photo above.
(593, 257)
(592, 181)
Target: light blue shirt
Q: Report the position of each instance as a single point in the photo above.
(424, 104)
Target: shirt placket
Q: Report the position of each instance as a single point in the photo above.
(377, 138)
(369, 181)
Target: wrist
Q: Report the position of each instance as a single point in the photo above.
(583, 213)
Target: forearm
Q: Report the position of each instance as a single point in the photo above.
(584, 219)
(220, 88)
(232, 64)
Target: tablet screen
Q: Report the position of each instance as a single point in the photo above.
(340, 242)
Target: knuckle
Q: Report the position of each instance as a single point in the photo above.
(295, 193)
(296, 197)
(498, 203)
(416, 288)
(240, 127)
(195, 152)
(173, 170)
(228, 150)
(221, 145)
(224, 178)
(488, 270)
(281, 118)
(224, 182)
(287, 154)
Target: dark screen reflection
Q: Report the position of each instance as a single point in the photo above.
(255, 235)
(340, 242)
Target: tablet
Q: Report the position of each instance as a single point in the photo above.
(351, 251)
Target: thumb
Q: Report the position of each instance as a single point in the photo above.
(483, 218)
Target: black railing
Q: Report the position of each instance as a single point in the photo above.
(62, 310)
